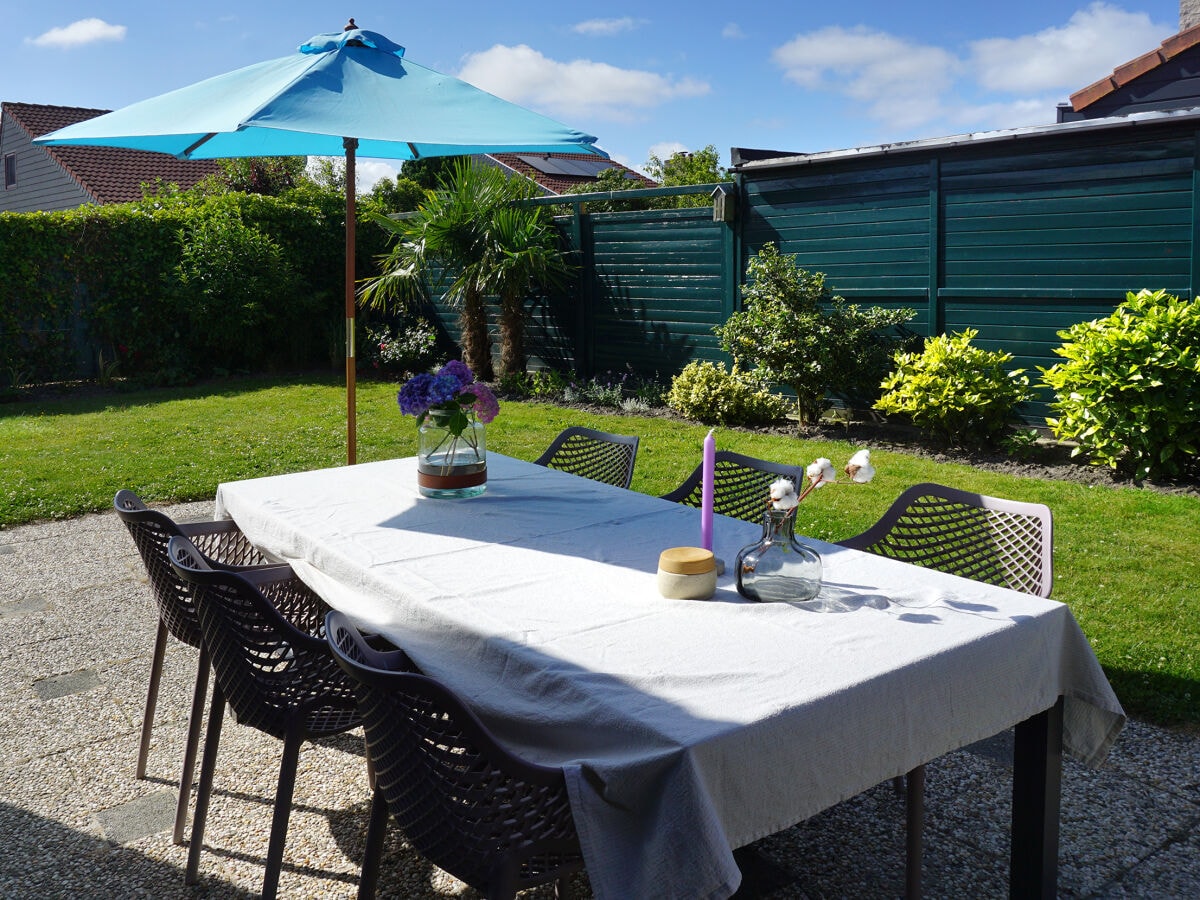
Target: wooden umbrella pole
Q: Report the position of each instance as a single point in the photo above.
(351, 145)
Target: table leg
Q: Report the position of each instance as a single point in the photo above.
(1037, 774)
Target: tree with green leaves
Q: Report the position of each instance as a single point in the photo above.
(684, 168)
(613, 180)
(794, 331)
(269, 175)
(432, 172)
(393, 195)
(476, 231)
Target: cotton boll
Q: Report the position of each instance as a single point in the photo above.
(821, 471)
(783, 494)
(859, 468)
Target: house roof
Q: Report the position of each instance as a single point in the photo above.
(552, 170)
(758, 160)
(1136, 68)
(109, 174)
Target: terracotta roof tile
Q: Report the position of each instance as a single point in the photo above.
(559, 184)
(1136, 68)
(110, 174)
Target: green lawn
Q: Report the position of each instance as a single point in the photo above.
(1127, 561)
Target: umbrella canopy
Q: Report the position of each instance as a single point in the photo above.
(350, 92)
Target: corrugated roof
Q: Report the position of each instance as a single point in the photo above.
(762, 160)
(109, 174)
(1136, 68)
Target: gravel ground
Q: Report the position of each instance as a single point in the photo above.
(76, 630)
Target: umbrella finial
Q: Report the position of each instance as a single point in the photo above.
(350, 26)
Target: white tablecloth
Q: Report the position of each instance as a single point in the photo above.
(686, 728)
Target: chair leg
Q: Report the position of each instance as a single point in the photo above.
(376, 831)
(914, 832)
(193, 742)
(156, 664)
(283, 810)
(212, 737)
(370, 764)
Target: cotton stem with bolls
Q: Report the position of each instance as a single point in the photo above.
(819, 473)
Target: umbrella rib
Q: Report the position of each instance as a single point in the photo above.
(187, 154)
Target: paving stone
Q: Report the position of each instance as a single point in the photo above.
(75, 822)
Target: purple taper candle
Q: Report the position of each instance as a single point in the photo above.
(706, 491)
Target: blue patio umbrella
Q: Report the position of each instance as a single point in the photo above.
(349, 92)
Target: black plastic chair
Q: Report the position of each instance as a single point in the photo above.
(264, 632)
(597, 455)
(495, 821)
(741, 485)
(1002, 542)
(223, 543)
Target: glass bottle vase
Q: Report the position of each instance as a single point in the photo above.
(451, 465)
(778, 567)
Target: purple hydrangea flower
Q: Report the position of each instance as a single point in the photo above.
(422, 392)
(487, 407)
(458, 370)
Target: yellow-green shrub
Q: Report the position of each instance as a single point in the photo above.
(706, 392)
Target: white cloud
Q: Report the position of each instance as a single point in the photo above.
(1091, 44)
(607, 27)
(77, 34)
(732, 31)
(898, 80)
(914, 88)
(664, 150)
(368, 172)
(577, 88)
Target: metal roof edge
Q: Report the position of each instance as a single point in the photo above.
(1153, 117)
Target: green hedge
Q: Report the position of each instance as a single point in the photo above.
(175, 286)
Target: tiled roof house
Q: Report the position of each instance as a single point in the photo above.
(52, 178)
(557, 173)
(1168, 77)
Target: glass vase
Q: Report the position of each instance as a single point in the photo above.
(451, 464)
(778, 567)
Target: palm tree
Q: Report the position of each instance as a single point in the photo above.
(475, 229)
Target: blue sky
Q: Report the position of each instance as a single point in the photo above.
(645, 78)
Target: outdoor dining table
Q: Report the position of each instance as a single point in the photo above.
(688, 728)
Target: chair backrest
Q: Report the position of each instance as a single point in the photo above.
(471, 807)
(741, 485)
(151, 530)
(1002, 542)
(597, 455)
(272, 673)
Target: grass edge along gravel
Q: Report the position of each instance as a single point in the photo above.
(1127, 560)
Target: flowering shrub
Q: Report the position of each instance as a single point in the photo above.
(401, 351)
(451, 395)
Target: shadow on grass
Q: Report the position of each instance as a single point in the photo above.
(86, 397)
(1163, 699)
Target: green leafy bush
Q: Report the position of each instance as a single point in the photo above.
(955, 392)
(794, 331)
(706, 392)
(232, 278)
(1129, 391)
